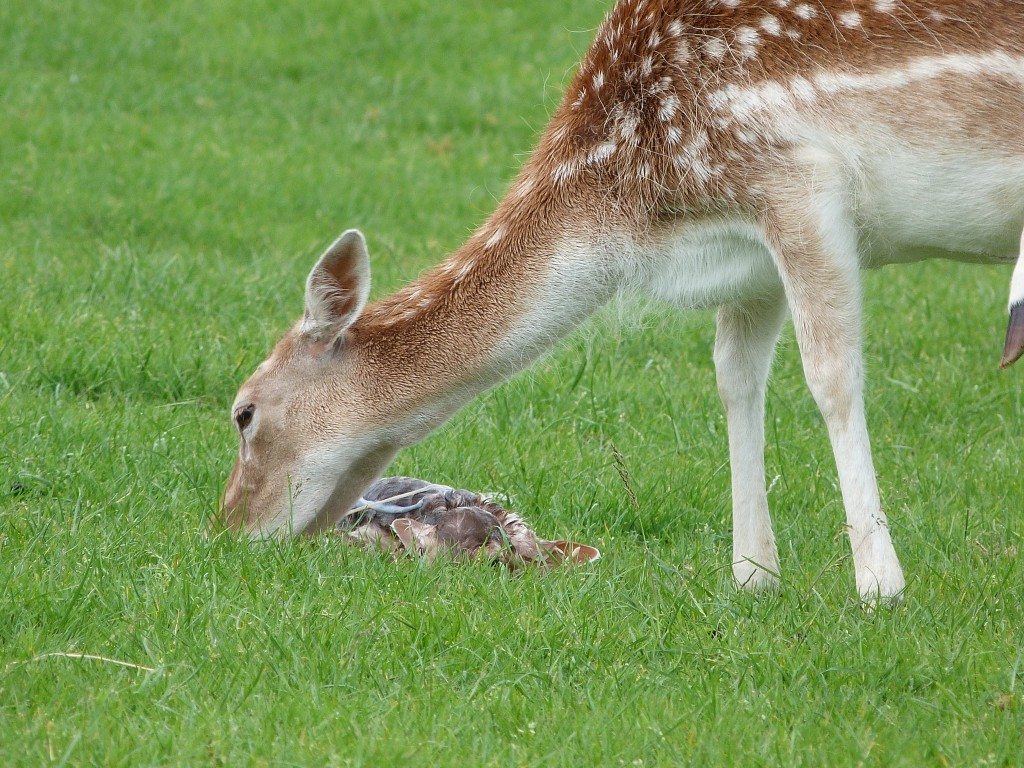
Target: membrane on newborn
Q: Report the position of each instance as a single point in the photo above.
(405, 514)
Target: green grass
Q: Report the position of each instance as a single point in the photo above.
(168, 172)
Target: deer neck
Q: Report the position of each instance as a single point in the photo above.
(534, 272)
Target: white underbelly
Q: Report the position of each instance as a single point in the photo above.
(911, 204)
(907, 205)
(707, 264)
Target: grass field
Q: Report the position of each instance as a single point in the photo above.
(168, 172)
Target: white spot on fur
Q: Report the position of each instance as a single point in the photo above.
(693, 159)
(598, 80)
(718, 99)
(698, 145)
(748, 39)
(700, 169)
(714, 48)
(885, 6)
(495, 238)
(627, 126)
(564, 172)
(668, 109)
(774, 94)
(736, 104)
(673, 135)
(802, 88)
(850, 19)
(747, 36)
(805, 11)
(674, 29)
(743, 101)
(602, 152)
(770, 24)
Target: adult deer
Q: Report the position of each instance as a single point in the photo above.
(748, 154)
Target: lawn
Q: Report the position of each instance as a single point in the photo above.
(168, 173)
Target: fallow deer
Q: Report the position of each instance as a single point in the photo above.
(752, 155)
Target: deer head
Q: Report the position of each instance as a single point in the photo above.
(309, 436)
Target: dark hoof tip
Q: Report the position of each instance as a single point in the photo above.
(1014, 348)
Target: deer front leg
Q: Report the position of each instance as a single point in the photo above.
(816, 253)
(744, 347)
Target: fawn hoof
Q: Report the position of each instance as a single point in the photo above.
(1014, 348)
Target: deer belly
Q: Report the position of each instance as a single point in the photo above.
(705, 265)
(914, 204)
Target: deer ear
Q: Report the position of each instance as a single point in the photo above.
(337, 288)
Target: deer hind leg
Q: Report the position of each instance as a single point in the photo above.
(815, 247)
(744, 347)
(1014, 348)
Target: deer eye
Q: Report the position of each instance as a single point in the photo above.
(243, 416)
